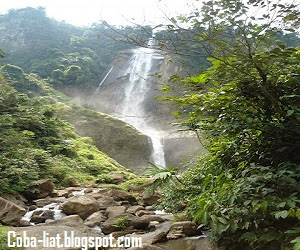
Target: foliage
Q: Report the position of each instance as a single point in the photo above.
(69, 56)
(36, 143)
(246, 106)
(122, 223)
(161, 177)
(3, 239)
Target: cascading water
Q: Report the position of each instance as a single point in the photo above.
(132, 107)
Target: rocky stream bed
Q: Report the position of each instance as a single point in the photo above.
(93, 211)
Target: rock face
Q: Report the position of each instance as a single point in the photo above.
(39, 189)
(84, 206)
(10, 213)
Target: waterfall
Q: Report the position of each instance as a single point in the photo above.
(133, 108)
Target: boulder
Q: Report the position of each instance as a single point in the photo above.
(95, 219)
(120, 195)
(48, 215)
(63, 193)
(134, 222)
(156, 236)
(134, 209)
(10, 213)
(116, 178)
(115, 211)
(39, 189)
(17, 199)
(54, 193)
(32, 207)
(144, 212)
(106, 201)
(37, 219)
(48, 200)
(84, 206)
(182, 229)
(125, 203)
(150, 218)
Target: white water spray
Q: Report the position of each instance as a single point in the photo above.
(132, 108)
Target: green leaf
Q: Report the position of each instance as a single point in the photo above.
(222, 220)
(281, 214)
(290, 112)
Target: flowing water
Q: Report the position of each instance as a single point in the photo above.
(55, 207)
(133, 105)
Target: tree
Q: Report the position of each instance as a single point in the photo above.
(247, 107)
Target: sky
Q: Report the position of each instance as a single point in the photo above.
(117, 12)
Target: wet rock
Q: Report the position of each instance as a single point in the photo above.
(68, 219)
(32, 207)
(88, 190)
(150, 208)
(48, 215)
(39, 189)
(115, 211)
(37, 219)
(134, 209)
(84, 206)
(181, 229)
(37, 212)
(95, 219)
(125, 232)
(10, 213)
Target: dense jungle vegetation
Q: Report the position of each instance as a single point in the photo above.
(245, 190)
(37, 141)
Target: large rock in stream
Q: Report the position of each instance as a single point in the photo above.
(84, 206)
(39, 189)
(10, 213)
